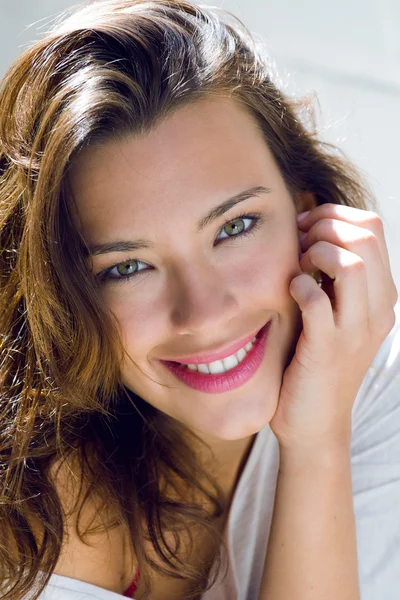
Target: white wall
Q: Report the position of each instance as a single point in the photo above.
(348, 52)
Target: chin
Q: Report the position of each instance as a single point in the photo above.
(238, 420)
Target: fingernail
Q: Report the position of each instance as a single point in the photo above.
(300, 217)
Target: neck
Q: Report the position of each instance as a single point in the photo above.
(229, 460)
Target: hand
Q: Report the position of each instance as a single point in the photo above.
(344, 323)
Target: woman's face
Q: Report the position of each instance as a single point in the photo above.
(196, 288)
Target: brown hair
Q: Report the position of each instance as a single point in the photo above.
(112, 68)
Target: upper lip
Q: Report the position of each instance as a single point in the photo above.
(218, 354)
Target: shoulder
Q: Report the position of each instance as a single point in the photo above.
(375, 455)
(376, 419)
(380, 391)
(98, 556)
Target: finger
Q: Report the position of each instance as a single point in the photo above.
(363, 218)
(348, 272)
(316, 311)
(362, 242)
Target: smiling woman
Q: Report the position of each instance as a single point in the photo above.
(154, 435)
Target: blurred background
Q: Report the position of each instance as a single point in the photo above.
(347, 53)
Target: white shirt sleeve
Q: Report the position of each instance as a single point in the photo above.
(66, 588)
(376, 472)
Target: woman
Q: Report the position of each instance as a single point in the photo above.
(195, 431)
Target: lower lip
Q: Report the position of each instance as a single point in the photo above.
(224, 382)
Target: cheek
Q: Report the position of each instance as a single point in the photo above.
(266, 272)
(137, 316)
(141, 327)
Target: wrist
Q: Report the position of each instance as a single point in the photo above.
(326, 456)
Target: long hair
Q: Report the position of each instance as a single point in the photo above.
(112, 68)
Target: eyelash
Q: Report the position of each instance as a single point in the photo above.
(103, 276)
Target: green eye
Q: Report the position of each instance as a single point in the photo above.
(239, 227)
(126, 267)
(234, 227)
(123, 271)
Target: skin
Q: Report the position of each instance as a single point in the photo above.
(200, 294)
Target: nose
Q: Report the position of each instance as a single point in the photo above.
(202, 301)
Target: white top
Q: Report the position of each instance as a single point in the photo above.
(375, 452)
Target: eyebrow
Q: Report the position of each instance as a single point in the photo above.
(140, 244)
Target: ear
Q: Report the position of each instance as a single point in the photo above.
(305, 201)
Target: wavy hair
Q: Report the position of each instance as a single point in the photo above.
(111, 68)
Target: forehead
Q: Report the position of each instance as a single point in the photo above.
(209, 149)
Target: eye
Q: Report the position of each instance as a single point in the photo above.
(240, 226)
(125, 270)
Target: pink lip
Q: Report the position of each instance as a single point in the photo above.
(208, 357)
(230, 380)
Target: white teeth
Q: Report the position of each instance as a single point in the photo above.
(221, 366)
(240, 354)
(230, 362)
(216, 367)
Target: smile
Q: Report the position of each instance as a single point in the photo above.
(226, 364)
(226, 374)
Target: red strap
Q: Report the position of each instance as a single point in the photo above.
(132, 588)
